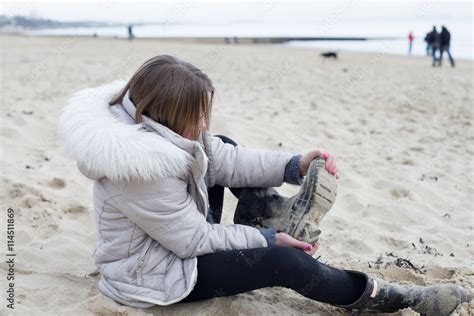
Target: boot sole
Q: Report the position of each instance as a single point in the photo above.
(315, 199)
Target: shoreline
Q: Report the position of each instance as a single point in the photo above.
(221, 41)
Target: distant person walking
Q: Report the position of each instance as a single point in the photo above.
(130, 32)
(445, 40)
(434, 43)
(411, 37)
(429, 39)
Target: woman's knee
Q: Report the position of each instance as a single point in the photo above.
(291, 260)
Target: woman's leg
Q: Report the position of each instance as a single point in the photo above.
(226, 273)
(216, 193)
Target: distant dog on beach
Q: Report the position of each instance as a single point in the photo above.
(329, 55)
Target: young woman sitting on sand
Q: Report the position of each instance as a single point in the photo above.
(159, 179)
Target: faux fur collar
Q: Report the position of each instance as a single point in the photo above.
(105, 145)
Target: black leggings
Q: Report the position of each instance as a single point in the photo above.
(231, 272)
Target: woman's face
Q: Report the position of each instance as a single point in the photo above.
(202, 127)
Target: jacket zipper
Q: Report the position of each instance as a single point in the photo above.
(141, 259)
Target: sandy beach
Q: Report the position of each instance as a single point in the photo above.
(401, 132)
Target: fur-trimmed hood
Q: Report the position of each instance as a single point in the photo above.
(106, 145)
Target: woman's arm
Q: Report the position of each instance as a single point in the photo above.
(167, 213)
(236, 166)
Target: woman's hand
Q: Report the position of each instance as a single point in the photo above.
(308, 157)
(283, 239)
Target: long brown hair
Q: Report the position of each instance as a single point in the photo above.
(172, 92)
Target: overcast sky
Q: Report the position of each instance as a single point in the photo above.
(260, 11)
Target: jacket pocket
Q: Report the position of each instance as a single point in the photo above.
(141, 261)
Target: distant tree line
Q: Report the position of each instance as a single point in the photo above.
(39, 23)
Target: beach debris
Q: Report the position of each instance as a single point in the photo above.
(423, 177)
(451, 254)
(406, 263)
(27, 112)
(447, 215)
(280, 144)
(431, 251)
(379, 260)
(426, 249)
(399, 262)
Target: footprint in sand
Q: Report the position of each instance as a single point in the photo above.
(29, 195)
(417, 149)
(44, 222)
(57, 183)
(399, 193)
(440, 272)
(395, 243)
(29, 202)
(408, 162)
(17, 190)
(8, 132)
(75, 209)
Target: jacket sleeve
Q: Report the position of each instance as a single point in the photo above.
(292, 171)
(236, 166)
(170, 216)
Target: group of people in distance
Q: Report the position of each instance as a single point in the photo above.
(438, 41)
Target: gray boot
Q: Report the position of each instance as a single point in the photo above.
(300, 215)
(381, 296)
